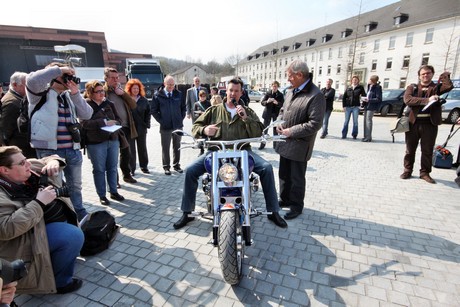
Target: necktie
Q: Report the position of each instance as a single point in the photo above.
(169, 95)
(197, 93)
(295, 91)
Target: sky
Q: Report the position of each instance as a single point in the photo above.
(194, 31)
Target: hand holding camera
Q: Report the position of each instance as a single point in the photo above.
(46, 195)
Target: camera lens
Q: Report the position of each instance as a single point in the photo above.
(62, 192)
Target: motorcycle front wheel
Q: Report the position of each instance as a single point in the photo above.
(231, 248)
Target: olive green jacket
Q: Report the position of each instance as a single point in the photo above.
(229, 128)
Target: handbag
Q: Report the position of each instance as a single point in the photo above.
(442, 157)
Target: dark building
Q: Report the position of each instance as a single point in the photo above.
(28, 48)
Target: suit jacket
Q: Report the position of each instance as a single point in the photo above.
(192, 97)
(303, 113)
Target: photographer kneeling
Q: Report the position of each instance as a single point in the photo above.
(36, 225)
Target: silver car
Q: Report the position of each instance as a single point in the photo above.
(451, 109)
(255, 95)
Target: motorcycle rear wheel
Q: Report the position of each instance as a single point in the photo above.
(230, 247)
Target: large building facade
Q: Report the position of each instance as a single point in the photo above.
(391, 42)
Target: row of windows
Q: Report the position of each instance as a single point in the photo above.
(385, 85)
(391, 45)
(388, 66)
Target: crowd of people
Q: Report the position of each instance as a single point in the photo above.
(111, 123)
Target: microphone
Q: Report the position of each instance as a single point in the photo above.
(241, 114)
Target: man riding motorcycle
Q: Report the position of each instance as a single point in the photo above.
(229, 121)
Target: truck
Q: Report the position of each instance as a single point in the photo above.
(148, 71)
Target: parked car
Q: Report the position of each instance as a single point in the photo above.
(392, 101)
(451, 109)
(255, 95)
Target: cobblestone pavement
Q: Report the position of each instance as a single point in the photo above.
(365, 238)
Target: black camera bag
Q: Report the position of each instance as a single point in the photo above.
(100, 231)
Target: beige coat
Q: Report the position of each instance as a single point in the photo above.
(23, 236)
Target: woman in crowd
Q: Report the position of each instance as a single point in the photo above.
(141, 116)
(371, 104)
(102, 143)
(199, 107)
(216, 99)
(35, 225)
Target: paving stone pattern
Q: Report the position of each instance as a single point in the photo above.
(365, 238)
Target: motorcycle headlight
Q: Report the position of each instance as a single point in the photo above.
(228, 173)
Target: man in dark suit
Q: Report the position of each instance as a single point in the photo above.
(303, 113)
(273, 102)
(192, 96)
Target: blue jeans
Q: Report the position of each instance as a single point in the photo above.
(72, 173)
(104, 157)
(261, 167)
(65, 242)
(368, 116)
(348, 112)
(327, 114)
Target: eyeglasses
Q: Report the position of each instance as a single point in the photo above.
(99, 92)
(20, 163)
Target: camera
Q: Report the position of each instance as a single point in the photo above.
(66, 78)
(74, 130)
(12, 271)
(60, 192)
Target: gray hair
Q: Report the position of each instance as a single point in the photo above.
(18, 78)
(299, 66)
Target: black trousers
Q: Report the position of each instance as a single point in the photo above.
(292, 183)
(426, 133)
(166, 139)
(125, 155)
(267, 122)
(141, 142)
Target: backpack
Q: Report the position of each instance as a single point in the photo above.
(23, 120)
(100, 231)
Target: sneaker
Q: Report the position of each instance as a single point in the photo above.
(178, 169)
(167, 171)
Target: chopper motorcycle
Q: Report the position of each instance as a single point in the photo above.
(228, 185)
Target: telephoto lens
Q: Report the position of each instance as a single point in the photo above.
(12, 271)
